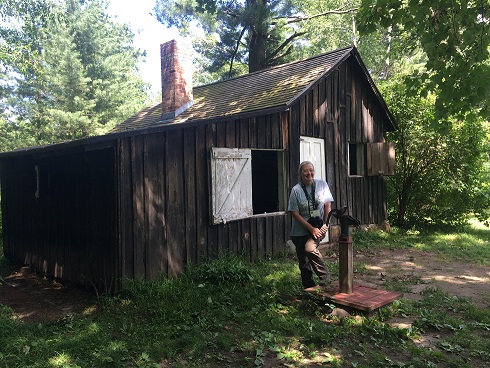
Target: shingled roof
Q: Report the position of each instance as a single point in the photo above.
(273, 88)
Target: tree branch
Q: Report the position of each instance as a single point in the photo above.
(296, 19)
(271, 60)
(290, 39)
(235, 51)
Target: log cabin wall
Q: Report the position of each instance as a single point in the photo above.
(342, 109)
(137, 204)
(164, 197)
(59, 216)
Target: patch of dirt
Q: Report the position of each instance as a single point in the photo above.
(33, 298)
(420, 270)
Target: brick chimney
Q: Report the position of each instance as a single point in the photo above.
(176, 78)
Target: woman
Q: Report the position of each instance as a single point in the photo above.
(310, 198)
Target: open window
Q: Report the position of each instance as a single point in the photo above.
(245, 183)
(357, 159)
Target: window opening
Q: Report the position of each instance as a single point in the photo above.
(267, 181)
(246, 182)
(356, 159)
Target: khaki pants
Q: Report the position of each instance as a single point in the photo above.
(309, 260)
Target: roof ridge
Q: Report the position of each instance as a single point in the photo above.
(246, 75)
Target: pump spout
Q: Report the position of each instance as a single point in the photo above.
(345, 220)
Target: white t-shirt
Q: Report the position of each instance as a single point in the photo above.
(299, 202)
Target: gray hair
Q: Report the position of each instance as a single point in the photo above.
(303, 164)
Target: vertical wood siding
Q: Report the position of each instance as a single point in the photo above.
(344, 110)
(69, 231)
(142, 208)
(166, 225)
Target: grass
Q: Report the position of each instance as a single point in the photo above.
(228, 313)
(472, 244)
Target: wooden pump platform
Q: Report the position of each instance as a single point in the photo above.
(363, 298)
(346, 293)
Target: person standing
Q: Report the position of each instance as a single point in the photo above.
(309, 204)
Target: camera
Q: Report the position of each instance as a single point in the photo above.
(316, 222)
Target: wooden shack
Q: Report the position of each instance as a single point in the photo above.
(206, 171)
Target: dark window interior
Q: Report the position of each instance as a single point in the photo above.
(265, 181)
(356, 159)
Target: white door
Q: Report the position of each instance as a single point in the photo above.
(313, 149)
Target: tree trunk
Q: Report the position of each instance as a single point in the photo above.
(403, 201)
(257, 54)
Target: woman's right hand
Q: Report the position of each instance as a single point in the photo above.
(320, 233)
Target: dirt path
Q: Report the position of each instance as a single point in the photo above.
(36, 299)
(33, 298)
(421, 269)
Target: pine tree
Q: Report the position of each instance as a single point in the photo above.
(73, 71)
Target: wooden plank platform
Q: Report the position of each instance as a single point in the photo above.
(363, 298)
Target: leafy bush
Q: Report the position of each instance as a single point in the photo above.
(225, 270)
(442, 175)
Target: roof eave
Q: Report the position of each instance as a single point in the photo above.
(352, 50)
(381, 100)
(322, 75)
(104, 141)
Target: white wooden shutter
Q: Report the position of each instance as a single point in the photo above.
(313, 149)
(381, 158)
(231, 184)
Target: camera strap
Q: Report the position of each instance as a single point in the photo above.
(310, 197)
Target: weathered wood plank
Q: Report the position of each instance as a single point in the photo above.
(156, 255)
(244, 136)
(212, 240)
(302, 117)
(262, 133)
(125, 208)
(269, 237)
(315, 111)
(190, 197)
(276, 125)
(139, 236)
(261, 238)
(245, 241)
(202, 194)
(293, 144)
(252, 133)
(175, 203)
(343, 145)
(233, 227)
(359, 112)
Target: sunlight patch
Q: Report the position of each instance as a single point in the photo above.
(463, 279)
(61, 360)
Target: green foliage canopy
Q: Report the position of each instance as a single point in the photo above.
(440, 176)
(251, 35)
(70, 72)
(455, 37)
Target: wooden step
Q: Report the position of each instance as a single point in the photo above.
(363, 298)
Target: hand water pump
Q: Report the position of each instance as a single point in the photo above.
(346, 269)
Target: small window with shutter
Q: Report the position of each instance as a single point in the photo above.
(245, 183)
(356, 159)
